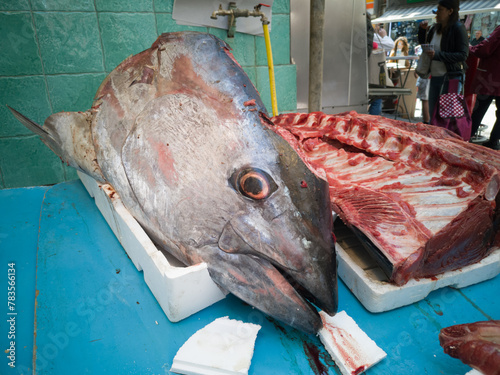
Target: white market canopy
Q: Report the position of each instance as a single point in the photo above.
(421, 11)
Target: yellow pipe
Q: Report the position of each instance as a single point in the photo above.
(270, 65)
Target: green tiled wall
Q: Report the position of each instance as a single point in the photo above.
(55, 54)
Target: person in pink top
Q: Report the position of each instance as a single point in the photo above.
(486, 84)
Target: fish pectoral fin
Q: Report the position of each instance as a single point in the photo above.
(46, 136)
(79, 154)
(30, 124)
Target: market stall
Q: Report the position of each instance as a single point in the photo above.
(94, 312)
(402, 17)
(178, 146)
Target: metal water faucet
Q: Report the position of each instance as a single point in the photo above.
(233, 12)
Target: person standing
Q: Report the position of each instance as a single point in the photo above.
(486, 84)
(369, 35)
(451, 47)
(423, 95)
(383, 40)
(478, 39)
(423, 91)
(375, 104)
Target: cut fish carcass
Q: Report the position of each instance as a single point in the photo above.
(475, 344)
(421, 200)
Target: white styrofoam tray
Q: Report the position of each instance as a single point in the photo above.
(370, 286)
(348, 345)
(181, 291)
(223, 347)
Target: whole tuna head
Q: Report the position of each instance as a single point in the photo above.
(181, 134)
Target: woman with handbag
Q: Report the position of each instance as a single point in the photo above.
(451, 47)
(486, 84)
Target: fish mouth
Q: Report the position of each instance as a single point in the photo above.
(260, 284)
(321, 299)
(285, 283)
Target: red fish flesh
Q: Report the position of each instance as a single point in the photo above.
(475, 344)
(421, 200)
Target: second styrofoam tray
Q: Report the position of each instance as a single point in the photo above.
(370, 286)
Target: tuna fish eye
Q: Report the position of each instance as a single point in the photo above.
(253, 183)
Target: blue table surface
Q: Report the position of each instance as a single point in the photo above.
(94, 313)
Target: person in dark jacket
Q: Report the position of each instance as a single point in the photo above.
(369, 34)
(478, 39)
(451, 47)
(486, 84)
(375, 107)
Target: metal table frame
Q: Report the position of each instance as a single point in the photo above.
(403, 85)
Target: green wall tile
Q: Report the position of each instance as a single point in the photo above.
(73, 92)
(251, 73)
(18, 45)
(73, 43)
(14, 5)
(242, 45)
(168, 25)
(125, 34)
(124, 6)
(281, 6)
(219, 33)
(26, 161)
(69, 42)
(27, 95)
(66, 5)
(286, 87)
(164, 5)
(262, 84)
(280, 42)
(70, 173)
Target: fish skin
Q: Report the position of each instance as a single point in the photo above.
(173, 129)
